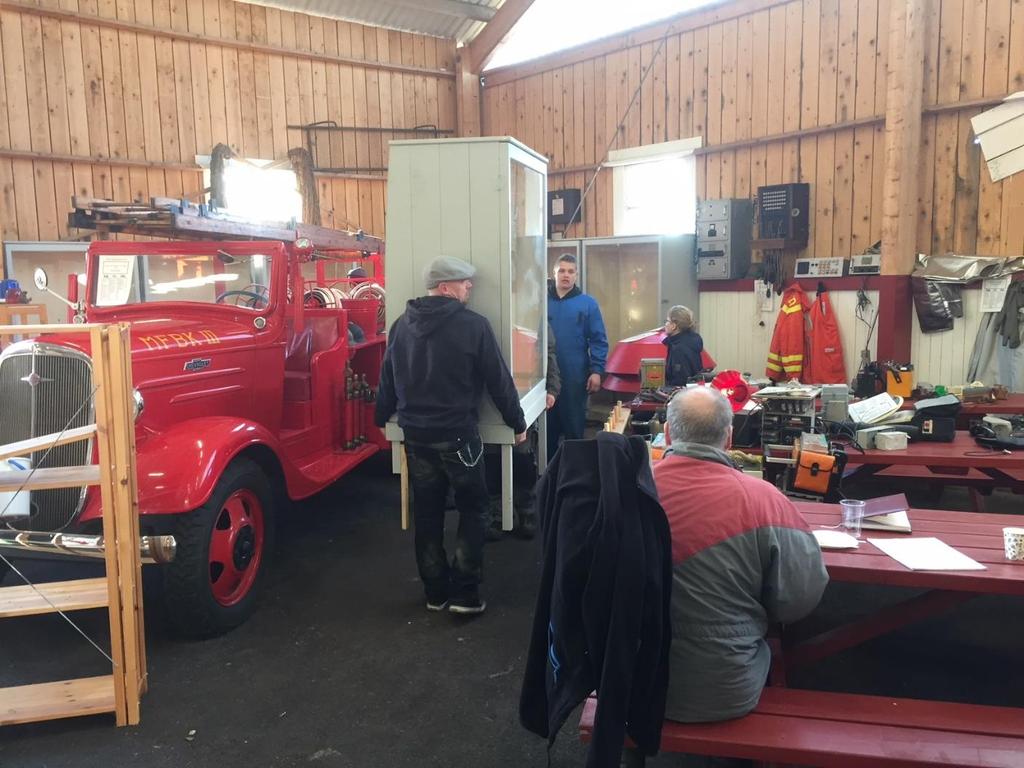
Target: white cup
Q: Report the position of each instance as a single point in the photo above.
(853, 513)
(1013, 542)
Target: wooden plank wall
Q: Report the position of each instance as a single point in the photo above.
(784, 91)
(119, 106)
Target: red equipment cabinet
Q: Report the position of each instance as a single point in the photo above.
(245, 398)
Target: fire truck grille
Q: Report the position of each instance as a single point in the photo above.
(43, 388)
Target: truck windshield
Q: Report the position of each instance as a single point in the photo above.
(214, 278)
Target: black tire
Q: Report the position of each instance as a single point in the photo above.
(194, 597)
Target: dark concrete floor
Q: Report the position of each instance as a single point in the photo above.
(342, 667)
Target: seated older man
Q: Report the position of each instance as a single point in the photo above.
(743, 559)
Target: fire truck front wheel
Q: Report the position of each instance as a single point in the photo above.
(222, 549)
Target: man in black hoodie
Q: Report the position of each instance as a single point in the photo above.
(439, 358)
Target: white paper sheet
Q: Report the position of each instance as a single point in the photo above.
(874, 409)
(993, 293)
(927, 554)
(116, 275)
(829, 539)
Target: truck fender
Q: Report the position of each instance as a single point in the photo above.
(179, 467)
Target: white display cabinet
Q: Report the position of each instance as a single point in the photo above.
(636, 280)
(482, 200)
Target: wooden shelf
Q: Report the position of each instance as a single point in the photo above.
(27, 447)
(55, 477)
(77, 595)
(67, 698)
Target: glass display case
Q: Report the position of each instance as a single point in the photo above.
(636, 280)
(481, 200)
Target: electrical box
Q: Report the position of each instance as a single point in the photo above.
(723, 239)
(563, 209)
(866, 264)
(827, 267)
(782, 213)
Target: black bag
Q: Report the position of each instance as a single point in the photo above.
(947, 405)
(934, 312)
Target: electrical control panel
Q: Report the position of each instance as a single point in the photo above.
(831, 266)
(723, 239)
(866, 264)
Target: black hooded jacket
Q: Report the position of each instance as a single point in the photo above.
(603, 610)
(682, 360)
(440, 356)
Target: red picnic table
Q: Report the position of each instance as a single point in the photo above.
(961, 462)
(977, 535)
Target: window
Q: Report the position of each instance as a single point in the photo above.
(554, 25)
(256, 192)
(655, 189)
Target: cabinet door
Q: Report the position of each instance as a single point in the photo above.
(526, 186)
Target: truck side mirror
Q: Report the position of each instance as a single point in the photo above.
(40, 279)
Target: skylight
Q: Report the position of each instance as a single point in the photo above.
(553, 25)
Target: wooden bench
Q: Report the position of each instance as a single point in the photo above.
(844, 730)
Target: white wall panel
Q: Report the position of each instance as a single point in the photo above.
(942, 358)
(737, 334)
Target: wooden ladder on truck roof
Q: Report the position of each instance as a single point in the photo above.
(184, 220)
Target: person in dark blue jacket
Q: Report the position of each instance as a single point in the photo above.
(682, 358)
(582, 348)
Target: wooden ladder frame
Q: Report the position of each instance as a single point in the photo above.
(120, 591)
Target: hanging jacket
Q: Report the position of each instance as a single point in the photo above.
(825, 365)
(1008, 319)
(602, 619)
(786, 353)
(582, 344)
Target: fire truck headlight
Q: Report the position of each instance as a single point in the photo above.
(139, 403)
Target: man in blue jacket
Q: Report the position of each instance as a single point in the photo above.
(582, 348)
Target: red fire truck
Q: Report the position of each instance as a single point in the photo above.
(255, 364)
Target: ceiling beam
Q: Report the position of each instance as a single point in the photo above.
(484, 44)
(459, 8)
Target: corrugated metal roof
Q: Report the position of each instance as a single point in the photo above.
(458, 19)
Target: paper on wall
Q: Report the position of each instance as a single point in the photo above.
(993, 293)
(927, 554)
(115, 277)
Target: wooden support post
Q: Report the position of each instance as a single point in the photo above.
(404, 463)
(467, 97)
(902, 134)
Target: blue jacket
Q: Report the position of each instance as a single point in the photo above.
(582, 344)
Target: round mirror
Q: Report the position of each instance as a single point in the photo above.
(40, 279)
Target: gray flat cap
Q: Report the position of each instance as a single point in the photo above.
(445, 268)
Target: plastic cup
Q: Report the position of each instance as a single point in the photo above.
(1013, 541)
(853, 513)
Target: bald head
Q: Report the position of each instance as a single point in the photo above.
(700, 415)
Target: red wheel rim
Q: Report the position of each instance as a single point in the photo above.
(236, 547)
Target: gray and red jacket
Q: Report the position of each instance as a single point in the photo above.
(742, 559)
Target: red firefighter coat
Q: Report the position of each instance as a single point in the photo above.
(786, 353)
(825, 348)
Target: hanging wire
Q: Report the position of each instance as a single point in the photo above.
(14, 568)
(619, 127)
